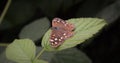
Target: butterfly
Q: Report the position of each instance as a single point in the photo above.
(61, 30)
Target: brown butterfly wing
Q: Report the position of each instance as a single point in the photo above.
(57, 22)
(56, 38)
(61, 30)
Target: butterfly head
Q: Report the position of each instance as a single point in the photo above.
(55, 28)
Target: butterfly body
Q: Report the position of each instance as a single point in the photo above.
(61, 30)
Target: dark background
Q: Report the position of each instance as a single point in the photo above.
(103, 48)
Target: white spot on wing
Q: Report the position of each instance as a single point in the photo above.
(51, 40)
(64, 34)
(54, 20)
(56, 43)
(65, 24)
(56, 39)
(61, 37)
(52, 43)
(58, 21)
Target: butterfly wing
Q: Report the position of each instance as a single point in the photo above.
(56, 38)
(61, 30)
(57, 22)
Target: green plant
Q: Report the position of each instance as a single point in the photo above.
(24, 50)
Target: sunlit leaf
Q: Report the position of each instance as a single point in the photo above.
(22, 51)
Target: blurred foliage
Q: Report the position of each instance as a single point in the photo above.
(71, 55)
(22, 13)
(35, 30)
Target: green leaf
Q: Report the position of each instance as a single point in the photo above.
(46, 55)
(22, 51)
(45, 41)
(71, 55)
(85, 28)
(3, 58)
(39, 61)
(36, 29)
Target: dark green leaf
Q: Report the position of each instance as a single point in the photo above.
(70, 56)
(35, 30)
(39, 61)
(46, 55)
(111, 12)
(3, 58)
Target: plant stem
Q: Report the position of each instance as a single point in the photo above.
(40, 53)
(5, 10)
(4, 44)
